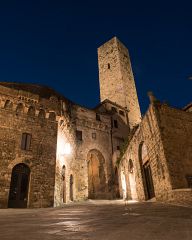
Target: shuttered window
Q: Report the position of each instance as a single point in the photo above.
(26, 141)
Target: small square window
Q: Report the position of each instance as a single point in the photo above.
(94, 135)
(79, 135)
(115, 124)
(98, 118)
(26, 141)
(121, 113)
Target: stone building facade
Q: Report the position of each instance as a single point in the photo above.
(53, 151)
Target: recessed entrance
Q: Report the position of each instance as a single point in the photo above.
(149, 182)
(146, 172)
(18, 193)
(96, 175)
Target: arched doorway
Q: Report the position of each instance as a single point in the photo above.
(18, 194)
(71, 187)
(63, 185)
(96, 175)
(146, 172)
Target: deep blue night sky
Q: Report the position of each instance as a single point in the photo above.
(55, 43)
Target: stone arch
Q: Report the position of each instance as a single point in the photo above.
(41, 114)
(19, 109)
(96, 175)
(52, 116)
(19, 186)
(31, 111)
(8, 104)
(147, 179)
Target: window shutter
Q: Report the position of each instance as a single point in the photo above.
(28, 141)
(23, 140)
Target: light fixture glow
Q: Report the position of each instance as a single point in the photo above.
(66, 149)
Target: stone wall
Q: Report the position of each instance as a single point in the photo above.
(147, 134)
(96, 137)
(40, 157)
(176, 129)
(165, 133)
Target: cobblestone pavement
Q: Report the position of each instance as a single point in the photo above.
(99, 220)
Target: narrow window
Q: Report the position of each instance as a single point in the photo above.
(108, 66)
(26, 141)
(94, 135)
(121, 113)
(118, 147)
(115, 124)
(98, 117)
(79, 135)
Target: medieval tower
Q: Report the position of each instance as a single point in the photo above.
(116, 78)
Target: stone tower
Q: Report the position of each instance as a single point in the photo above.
(116, 78)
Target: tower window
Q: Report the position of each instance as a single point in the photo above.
(118, 148)
(115, 124)
(26, 141)
(79, 135)
(108, 66)
(121, 113)
(98, 117)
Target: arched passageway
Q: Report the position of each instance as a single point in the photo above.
(96, 175)
(18, 194)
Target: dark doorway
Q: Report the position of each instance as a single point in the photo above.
(71, 187)
(18, 193)
(149, 181)
(64, 184)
